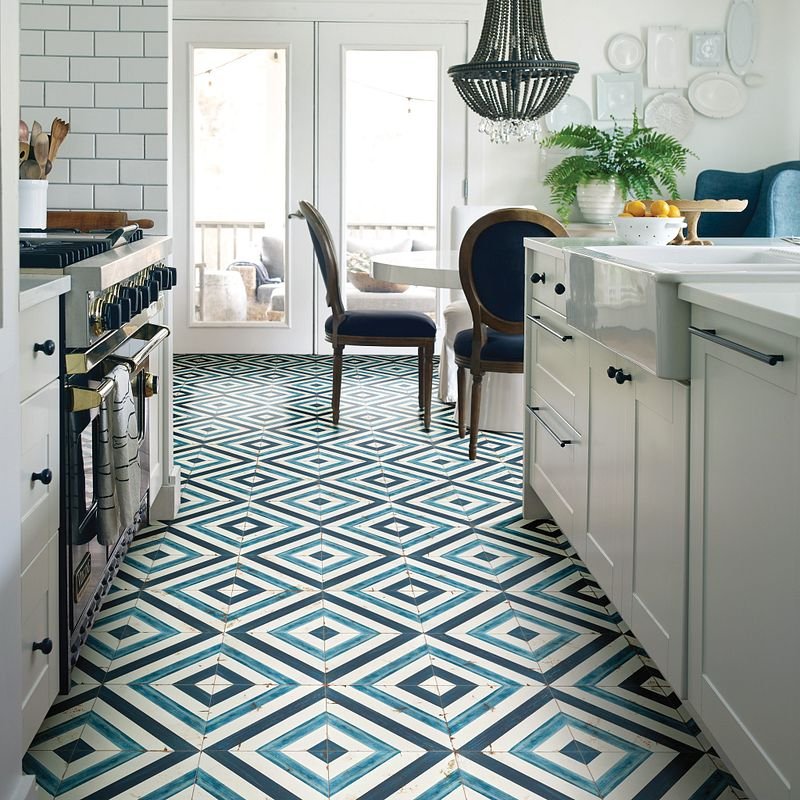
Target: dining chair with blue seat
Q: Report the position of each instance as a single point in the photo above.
(491, 266)
(771, 194)
(367, 328)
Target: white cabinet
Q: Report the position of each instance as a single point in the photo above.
(744, 645)
(39, 493)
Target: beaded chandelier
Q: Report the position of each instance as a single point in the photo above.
(512, 79)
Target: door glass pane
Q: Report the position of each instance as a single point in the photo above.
(239, 185)
(391, 170)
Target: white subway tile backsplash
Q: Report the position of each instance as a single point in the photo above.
(119, 95)
(69, 43)
(31, 93)
(70, 196)
(117, 197)
(115, 43)
(156, 44)
(143, 19)
(98, 70)
(44, 68)
(148, 172)
(44, 18)
(160, 220)
(155, 197)
(155, 146)
(69, 94)
(156, 95)
(60, 171)
(44, 114)
(31, 43)
(146, 70)
(147, 120)
(118, 2)
(95, 170)
(95, 19)
(95, 120)
(77, 145)
(119, 146)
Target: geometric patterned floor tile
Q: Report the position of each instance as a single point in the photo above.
(358, 612)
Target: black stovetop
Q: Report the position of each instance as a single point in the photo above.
(47, 250)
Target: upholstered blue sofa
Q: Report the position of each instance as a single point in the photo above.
(774, 201)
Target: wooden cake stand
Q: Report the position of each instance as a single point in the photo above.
(692, 209)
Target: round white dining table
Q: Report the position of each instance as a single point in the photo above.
(437, 268)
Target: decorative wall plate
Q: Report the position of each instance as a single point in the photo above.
(708, 48)
(625, 52)
(618, 96)
(742, 30)
(671, 114)
(667, 58)
(570, 111)
(717, 95)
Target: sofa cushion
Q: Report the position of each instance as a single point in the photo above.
(272, 256)
(499, 346)
(359, 251)
(385, 324)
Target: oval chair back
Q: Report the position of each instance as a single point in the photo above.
(491, 266)
(325, 251)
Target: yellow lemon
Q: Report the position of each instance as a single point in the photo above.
(625, 214)
(636, 208)
(674, 211)
(659, 208)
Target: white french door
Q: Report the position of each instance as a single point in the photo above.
(243, 158)
(392, 148)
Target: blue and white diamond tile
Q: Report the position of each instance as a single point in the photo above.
(260, 658)
(386, 659)
(254, 608)
(389, 611)
(577, 613)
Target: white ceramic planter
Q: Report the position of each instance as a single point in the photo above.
(599, 201)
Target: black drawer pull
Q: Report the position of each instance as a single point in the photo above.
(48, 347)
(45, 476)
(538, 277)
(46, 646)
(560, 288)
(537, 321)
(711, 335)
(559, 441)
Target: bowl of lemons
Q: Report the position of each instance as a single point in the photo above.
(649, 223)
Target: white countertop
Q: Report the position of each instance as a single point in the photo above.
(774, 305)
(35, 289)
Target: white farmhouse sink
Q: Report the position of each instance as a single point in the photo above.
(626, 297)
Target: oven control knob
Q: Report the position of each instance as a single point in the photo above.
(165, 277)
(144, 296)
(173, 274)
(127, 311)
(150, 384)
(131, 294)
(154, 285)
(112, 316)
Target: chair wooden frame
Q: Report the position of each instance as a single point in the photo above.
(325, 251)
(482, 317)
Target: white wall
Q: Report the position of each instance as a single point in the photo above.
(766, 132)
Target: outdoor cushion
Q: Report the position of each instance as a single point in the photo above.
(384, 324)
(499, 346)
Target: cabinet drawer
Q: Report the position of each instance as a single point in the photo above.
(39, 622)
(39, 452)
(548, 276)
(38, 325)
(730, 333)
(554, 471)
(557, 353)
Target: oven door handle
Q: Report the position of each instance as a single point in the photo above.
(135, 362)
(82, 399)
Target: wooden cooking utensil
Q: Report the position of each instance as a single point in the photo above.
(30, 171)
(24, 151)
(36, 129)
(58, 132)
(41, 147)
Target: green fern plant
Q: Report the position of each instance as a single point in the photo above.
(643, 162)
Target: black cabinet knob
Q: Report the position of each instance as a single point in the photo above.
(45, 476)
(621, 377)
(46, 646)
(48, 347)
(560, 288)
(612, 372)
(537, 277)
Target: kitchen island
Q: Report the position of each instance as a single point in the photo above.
(618, 450)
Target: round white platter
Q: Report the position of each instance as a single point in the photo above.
(670, 113)
(625, 52)
(715, 94)
(570, 111)
(741, 35)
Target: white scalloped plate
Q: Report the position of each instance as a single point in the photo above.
(717, 95)
(625, 52)
(671, 114)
